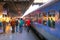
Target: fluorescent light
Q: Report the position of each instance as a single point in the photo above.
(31, 8)
(41, 1)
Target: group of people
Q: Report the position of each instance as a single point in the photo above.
(17, 25)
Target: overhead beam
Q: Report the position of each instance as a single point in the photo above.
(13, 0)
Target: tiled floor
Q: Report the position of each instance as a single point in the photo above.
(18, 36)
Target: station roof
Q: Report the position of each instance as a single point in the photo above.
(15, 7)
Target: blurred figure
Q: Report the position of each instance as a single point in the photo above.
(8, 28)
(28, 24)
(52, 23)
(49, 22)
(16, 25)
(12, 22)
(44, 22)
(21, 23)
(40, 21)
(0, 24)
(4, 26)
(1, 31)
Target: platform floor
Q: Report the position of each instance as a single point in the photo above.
(18, 36)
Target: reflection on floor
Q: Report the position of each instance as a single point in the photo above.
(18, 36)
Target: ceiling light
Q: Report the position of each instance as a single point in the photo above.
(41, 1)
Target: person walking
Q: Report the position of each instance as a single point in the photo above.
(28, 24)
(21, 23)
(16, 25)
(4, 25)
(12, 22)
